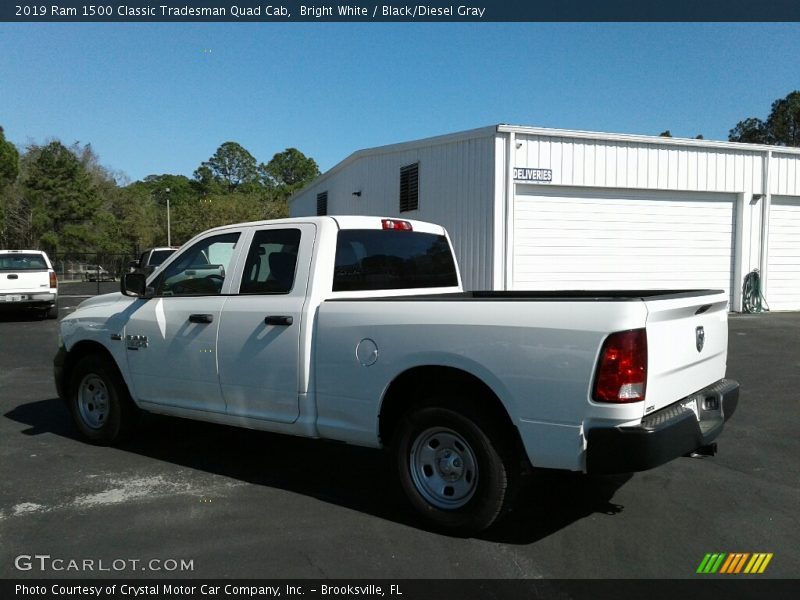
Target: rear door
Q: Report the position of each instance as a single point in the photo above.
(259, 346)
(687, 345)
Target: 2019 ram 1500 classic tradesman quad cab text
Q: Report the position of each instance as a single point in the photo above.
(356, 329)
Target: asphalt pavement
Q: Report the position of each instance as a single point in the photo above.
(237, 503)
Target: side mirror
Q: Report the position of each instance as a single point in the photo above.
(135, 284)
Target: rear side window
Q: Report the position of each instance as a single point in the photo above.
(271, 262)
(22, 262)
(373, 259)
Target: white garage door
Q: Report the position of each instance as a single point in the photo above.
(622, 239)
(783, 269)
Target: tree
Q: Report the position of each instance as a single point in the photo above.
(782, 127)
(750, 131)
(9, 169)
(231, 164)
(9, 161)
(666, 133)
(290, 169)
(61, 198)
(783, 122)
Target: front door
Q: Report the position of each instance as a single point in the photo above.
(171, 338)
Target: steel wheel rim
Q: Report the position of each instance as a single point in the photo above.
(443, 468)
(93, 401)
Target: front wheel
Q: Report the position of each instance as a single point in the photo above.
(99, 401)
(458, 470)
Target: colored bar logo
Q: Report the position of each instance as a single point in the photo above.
(734, 563)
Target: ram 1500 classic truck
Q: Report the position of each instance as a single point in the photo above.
(357, 329)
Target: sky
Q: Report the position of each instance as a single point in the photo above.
(156, 98)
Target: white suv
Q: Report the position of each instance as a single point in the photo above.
(28, 281)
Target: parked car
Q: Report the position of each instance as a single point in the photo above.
(97, 273)
(28, 282)
(357, 329)
(151, 259)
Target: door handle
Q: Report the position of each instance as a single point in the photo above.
(13, 276)
(201, 318)
(278, 320)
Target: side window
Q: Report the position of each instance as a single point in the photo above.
(200, 270)
(271, 262)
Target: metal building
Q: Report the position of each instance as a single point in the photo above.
(532, 208)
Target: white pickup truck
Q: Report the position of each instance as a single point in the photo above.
(28, 282)
(356, 329)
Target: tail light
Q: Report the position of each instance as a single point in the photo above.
(395, 224)
(622, 371)
(53, 279)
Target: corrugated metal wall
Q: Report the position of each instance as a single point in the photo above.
(785, 176)
(456, 190)
(611, 164)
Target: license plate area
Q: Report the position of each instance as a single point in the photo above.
(15, 298)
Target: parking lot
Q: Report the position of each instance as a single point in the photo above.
(240, 503)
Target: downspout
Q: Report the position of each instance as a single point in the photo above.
(765, 210)
(508, 254)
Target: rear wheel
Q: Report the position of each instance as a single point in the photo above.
(457, 467)
(99, 401)
(51, 313)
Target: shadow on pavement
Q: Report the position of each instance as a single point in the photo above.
(350, 476)
(9, 316)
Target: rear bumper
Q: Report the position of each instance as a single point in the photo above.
(663, 435)
(25, 300)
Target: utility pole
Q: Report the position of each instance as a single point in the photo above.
(169, 232)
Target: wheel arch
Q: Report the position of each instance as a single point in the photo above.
(77, 352)
(413, 388)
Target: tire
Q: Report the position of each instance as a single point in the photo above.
(51, 313)
(457, 467)
(99, 401)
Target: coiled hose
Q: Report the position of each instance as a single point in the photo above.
(751, 294)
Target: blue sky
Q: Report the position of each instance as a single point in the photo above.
(160, 98)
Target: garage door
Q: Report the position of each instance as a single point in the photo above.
(600, 239)
(783, 268)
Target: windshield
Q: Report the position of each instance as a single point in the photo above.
(22, 262)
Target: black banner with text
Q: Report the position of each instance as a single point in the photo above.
(495, 11)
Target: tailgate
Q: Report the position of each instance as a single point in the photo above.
(687, 345)
(24, 281)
